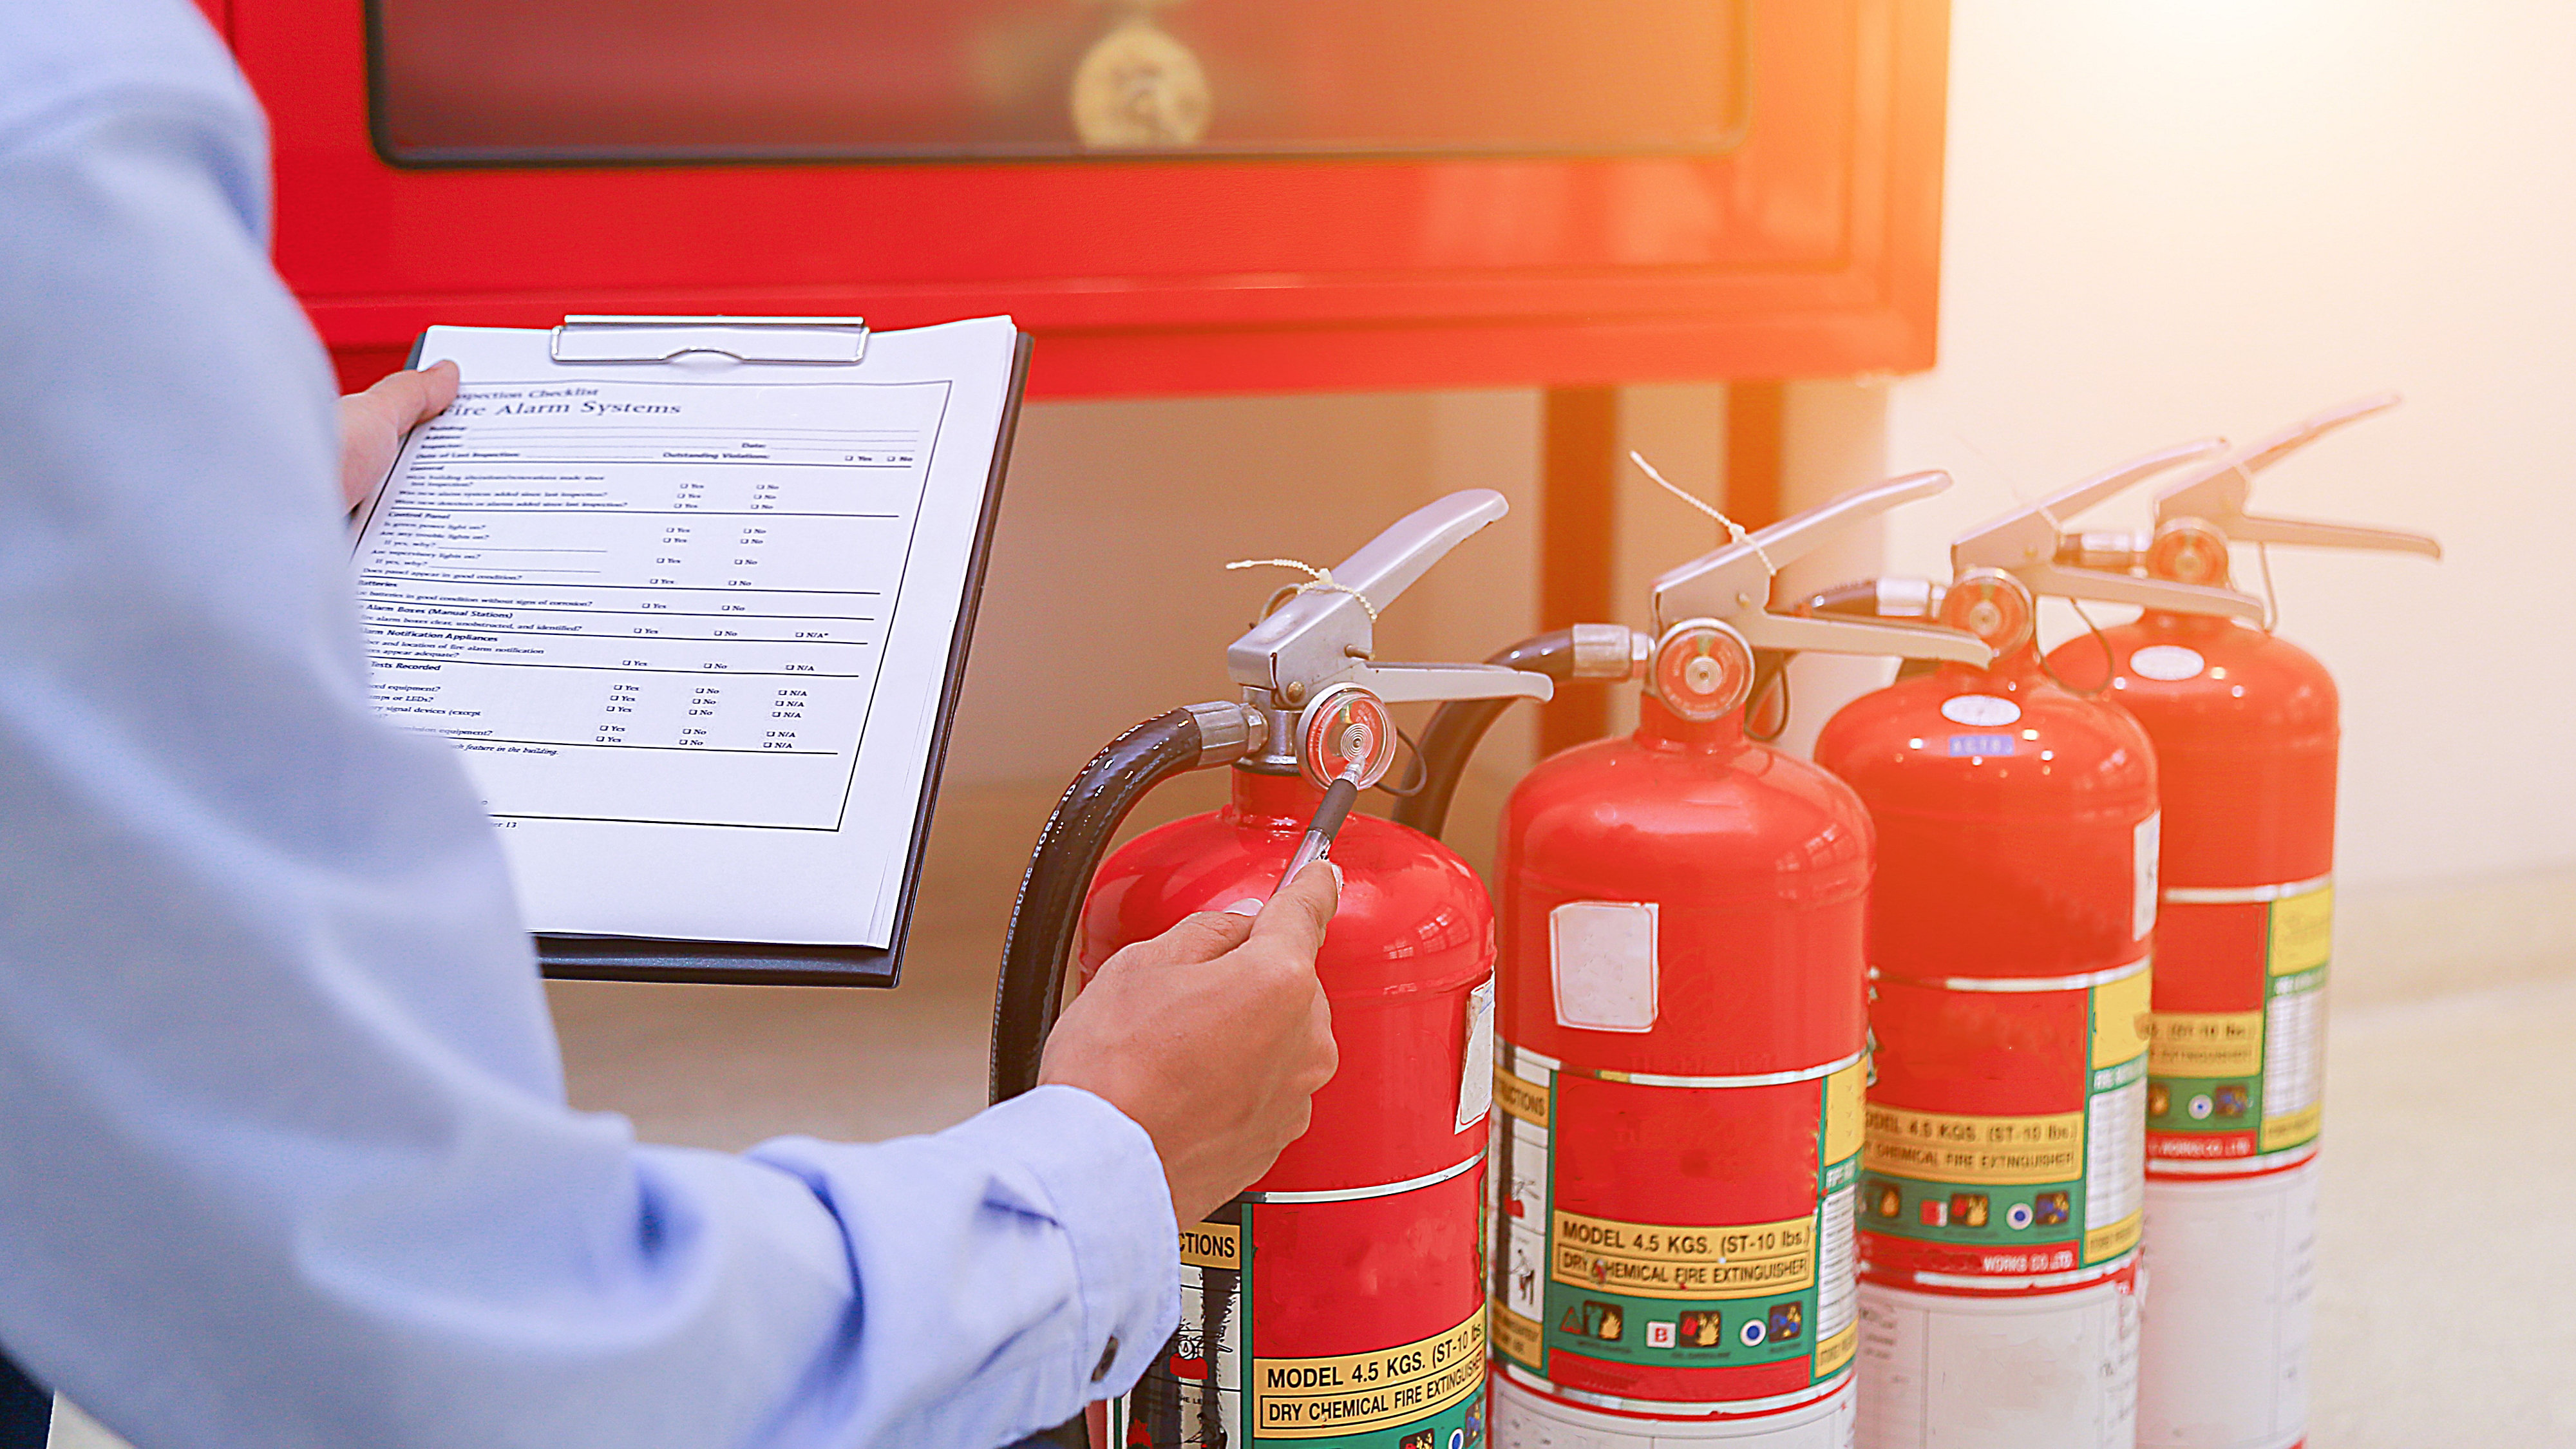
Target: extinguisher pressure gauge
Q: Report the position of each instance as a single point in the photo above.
(1702, 670)
(1345, 726)
(1991, 605)
(2187, 551)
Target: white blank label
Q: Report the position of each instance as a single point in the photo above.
(1476, 1079)
(1602, 955)
(2142, 898)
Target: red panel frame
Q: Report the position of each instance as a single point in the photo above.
(1810, 250)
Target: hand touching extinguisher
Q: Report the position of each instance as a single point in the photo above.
(2002, 1179)
(1342, 1295)
(2245, 729)
(1680, 1044)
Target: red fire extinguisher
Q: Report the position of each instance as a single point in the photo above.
(2245, 728)
(1680, 1045)
(2002, 1175)
(1339, 1300)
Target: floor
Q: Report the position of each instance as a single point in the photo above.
(2449, 1219)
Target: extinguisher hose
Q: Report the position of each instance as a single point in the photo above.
(1059, 875)
(1458, 726)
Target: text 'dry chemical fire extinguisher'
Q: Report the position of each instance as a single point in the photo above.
(2245, 730)
(1338, 1303)
(2002, 1176)
(1681, 1025)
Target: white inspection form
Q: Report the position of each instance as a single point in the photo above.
(690, 624)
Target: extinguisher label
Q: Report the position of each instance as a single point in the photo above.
(1575, 1288)
(2014, 1195)
(1353, 1394)
(1643, 1260)
(2243, 1076)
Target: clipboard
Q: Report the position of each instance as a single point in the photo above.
(820, 342)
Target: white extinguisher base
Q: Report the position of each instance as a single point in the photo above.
(1526, 1419)
(2223, 1363)
(1995, 1371)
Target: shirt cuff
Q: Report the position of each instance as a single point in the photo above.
(1100, 1172)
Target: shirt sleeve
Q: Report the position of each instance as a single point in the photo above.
(285, 1157)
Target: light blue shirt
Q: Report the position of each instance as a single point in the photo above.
(284, 1152)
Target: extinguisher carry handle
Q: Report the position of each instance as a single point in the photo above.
(1077, 835)
(2217, 494)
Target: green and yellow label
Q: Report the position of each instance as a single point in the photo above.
(1357, 1393)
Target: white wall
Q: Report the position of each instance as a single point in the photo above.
(2186, 217)
(1109, 599)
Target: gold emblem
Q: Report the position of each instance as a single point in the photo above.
(1138, 88)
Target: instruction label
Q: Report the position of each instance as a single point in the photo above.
(1525, 1100)
(2245, 1082)
(1212, 1245)
(1213, 1388)
(2021, 1195)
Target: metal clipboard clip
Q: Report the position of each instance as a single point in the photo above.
(834, 341)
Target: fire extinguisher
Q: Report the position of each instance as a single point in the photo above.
(2245, 728)
(1680, 1029)
(1340, 1298)
(2002, 1175)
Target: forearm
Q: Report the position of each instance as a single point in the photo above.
(287, 1158)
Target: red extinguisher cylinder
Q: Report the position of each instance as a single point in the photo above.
(2009, 931)
(1339, 1297)
(2245, 727)
(1681, 1032)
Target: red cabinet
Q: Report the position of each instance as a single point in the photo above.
(1802, 242)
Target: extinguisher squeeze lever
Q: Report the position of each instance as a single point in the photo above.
(2216, 494)
(1732, 585)
(2030, 542)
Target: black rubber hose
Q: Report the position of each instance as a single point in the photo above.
(26, 1409)
(1458, 726)
(1059, 875)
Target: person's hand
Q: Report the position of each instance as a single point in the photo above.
(1211, 1036)
(372, 424)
